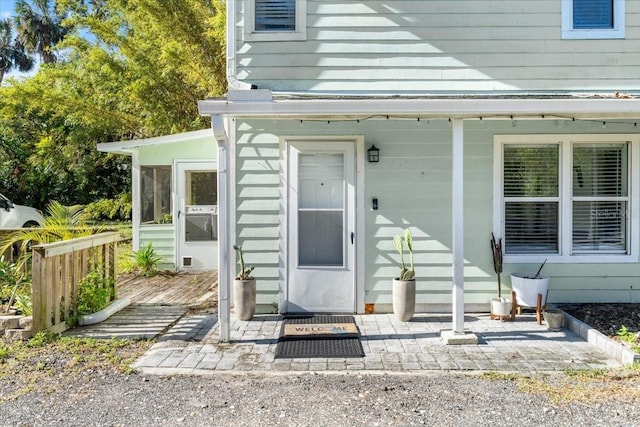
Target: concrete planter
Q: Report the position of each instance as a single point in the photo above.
(404, 299)
(554, 319)
(244, 298)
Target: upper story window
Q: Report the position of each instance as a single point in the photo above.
(267, 20)
(593, 19)
(567, 198)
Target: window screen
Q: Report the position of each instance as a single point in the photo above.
(275, 15)
(597, 14)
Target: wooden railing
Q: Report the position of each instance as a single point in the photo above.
(57, 270)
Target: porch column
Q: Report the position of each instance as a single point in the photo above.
(457, 225)
(224, 239)
(458, 334)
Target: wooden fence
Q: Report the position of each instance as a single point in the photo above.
(57, 269)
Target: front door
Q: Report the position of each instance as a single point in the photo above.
(321, 226)
(197, 213)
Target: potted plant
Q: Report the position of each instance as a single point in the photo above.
(530, 290)
(404, 286)
(499, 306)
(244, 289)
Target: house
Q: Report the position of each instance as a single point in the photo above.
(512, 117)
(174, 197)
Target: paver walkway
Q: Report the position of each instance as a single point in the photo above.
(192, 347)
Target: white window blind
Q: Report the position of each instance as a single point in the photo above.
(593, 14)
(531, 198)
(275, 15)
(600, 198)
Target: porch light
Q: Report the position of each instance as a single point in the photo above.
(373, 154)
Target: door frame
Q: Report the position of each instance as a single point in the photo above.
(178, 200)
(360, 239)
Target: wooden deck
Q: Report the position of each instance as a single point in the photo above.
(190, 289)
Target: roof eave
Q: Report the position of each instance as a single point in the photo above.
(459, 108)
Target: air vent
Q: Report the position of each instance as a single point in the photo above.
(186, 261)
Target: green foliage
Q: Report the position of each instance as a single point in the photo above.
(399, 243)
(629, 337)
(60, 223)
(42, 338)
(12, 52)
(147, 260)
(245, 272)
(5, 353)
(126, 259)
(15, 287)
(118, 209)
(94, 293)
(139, 73)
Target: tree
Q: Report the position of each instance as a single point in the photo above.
(12, 53)
(39, 27)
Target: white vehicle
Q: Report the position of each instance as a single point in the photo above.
(17, 216)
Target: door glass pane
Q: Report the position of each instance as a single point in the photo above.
(321, 210)
(201, 199)
(201, 188)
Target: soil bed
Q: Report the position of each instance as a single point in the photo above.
(608, 318)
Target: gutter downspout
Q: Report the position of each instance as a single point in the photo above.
(224, 238)
(232, 80)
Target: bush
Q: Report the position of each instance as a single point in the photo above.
(118, 209)
(94, 293)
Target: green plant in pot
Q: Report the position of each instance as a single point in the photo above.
(244, 289)
(499, 306)
(404, 286)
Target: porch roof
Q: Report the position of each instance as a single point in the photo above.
(130, 145)
(262, 103)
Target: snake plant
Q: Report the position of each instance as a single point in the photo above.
(399, 242)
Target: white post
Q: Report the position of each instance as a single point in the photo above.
(224, 239)
(457, 226)
(136, 206)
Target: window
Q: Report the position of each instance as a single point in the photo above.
(567, 197)
(593, 19)
(155, 194)
(275, 20)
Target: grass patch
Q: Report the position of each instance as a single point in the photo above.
(579, 386)
(47, 361)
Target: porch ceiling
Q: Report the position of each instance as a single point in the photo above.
(261, 104)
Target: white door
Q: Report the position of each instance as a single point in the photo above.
(321, 227)
(197, 213)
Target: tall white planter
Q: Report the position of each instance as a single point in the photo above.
(527, 289)
(404, 299)
(244, 298)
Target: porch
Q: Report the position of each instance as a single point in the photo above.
(389, 346)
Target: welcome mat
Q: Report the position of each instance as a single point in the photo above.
(319, 336)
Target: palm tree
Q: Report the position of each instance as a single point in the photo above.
(12, 53)
(60, 223)
(39, 27)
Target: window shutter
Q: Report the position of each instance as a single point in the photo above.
(593, 14)
(275, 15)
(531, 198)
(600, 198)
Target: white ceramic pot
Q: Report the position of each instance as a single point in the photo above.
(527, 289)
(244, 298)
(404, 299)
(500, 307)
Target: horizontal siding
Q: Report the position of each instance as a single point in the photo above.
(412, 182)
(441, 46)
(162, 239)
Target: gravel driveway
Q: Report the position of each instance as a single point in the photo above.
(115, 399)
